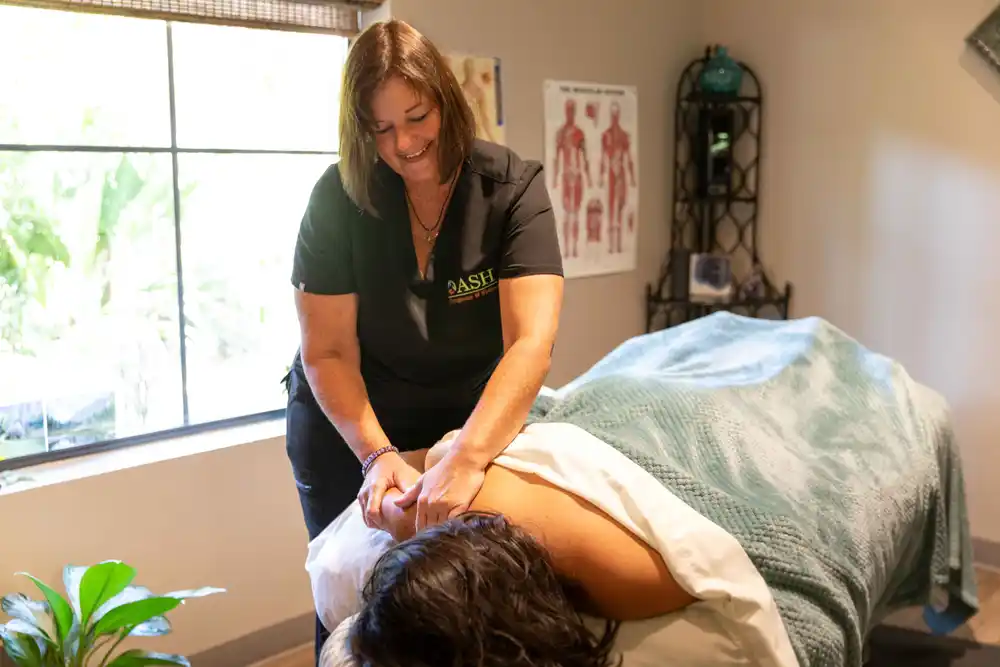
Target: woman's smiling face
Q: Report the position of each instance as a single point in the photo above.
(407, 127)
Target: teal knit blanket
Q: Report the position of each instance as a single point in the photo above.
(836, 471)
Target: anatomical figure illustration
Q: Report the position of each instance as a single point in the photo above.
(475, 95)
(595, 225)
(479, 79)
(616, 160)
(570, 169)
(592, 164)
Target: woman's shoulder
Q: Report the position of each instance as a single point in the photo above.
(329, 186)
(500, 163)
(329, 196)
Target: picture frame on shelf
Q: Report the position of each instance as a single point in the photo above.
(710, 279)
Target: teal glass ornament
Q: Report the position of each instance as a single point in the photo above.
(722, 75)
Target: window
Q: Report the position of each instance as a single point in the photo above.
(152, 178)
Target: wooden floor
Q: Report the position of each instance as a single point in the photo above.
(304, 656)
(984, 628)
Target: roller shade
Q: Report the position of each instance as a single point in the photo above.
(339, 17)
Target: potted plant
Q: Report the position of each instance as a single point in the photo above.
(103, 608)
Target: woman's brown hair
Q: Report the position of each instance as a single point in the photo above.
(474, 591)
(383, 50)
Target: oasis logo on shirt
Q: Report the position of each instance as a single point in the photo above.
(472, 286)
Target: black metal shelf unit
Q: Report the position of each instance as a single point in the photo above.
(715, 197)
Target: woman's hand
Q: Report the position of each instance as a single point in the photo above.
(440, 449)
(443, 491)
(388, 471)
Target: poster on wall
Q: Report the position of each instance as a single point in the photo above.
(592, 161)
(479, 77)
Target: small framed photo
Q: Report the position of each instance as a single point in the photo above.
(985, 39)
(710, 278)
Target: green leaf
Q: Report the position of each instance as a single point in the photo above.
(20, 648)
(45, 243)
(37, 641)
(154, 627)
(139, 658)
(61, 610)
(134, 613)
(204, 591)
(72, 574)
(20, 606)
(71, 647)
(100, 583)
(47, 654)
(28, 629)
(130, 594)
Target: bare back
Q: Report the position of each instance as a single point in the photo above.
(622, 576)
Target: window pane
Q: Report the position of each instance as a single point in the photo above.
(80, 79)
(256, 89)
(88, 299)
(238, 226)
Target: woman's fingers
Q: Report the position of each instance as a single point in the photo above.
(364, 500)
(374, 510)
(430, 513)
(423, 509)
(410, 495)
(363, 504)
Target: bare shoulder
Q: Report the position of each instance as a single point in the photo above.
(623, 577)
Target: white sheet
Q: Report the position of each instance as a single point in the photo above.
(736, 622)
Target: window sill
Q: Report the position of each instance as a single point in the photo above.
(99, 463)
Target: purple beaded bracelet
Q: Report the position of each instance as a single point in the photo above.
(374, 455)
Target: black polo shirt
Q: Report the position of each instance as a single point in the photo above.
(433, 342)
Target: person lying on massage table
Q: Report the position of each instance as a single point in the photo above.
(505, 583)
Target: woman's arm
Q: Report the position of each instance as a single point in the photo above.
(331, 358)
(531, 292)
(529, 311)
(327, 305)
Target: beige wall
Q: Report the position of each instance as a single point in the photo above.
(230, 517)
(881, 190)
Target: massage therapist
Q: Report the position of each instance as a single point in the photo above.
(428, 285)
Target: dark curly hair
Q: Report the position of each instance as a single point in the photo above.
(475, 591)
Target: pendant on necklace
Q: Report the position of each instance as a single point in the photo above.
(430, 236)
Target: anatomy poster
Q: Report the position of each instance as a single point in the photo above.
(479, 78)
(592, 160)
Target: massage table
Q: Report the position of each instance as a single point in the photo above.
(799, 485)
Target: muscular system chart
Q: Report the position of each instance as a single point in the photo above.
(591, 158)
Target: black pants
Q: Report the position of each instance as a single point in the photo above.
(327, 473)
